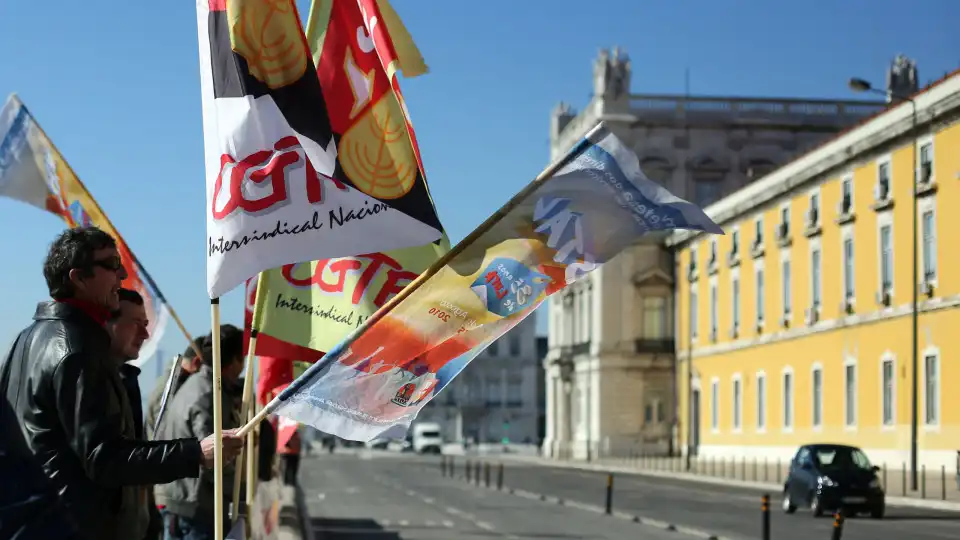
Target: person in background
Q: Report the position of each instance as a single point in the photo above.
(66, 395)
(268, 451)
(189, 364)
(128, 331)
(188, 514)
(288, 446)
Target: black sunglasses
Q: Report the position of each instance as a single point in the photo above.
(113, 264)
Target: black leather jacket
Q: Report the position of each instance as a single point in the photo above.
(67, 396)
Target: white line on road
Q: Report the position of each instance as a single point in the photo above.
(448, 524)
(404, 523)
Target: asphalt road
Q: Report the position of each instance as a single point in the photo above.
(727, 511)
(382, 496)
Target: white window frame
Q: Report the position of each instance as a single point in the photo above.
(888, 356)
(736, 298)
(848, 177)
(763, 233)
(788, 371)
(785, 257)
(815, 245)
(887, 160)
(760, 402)
(928, 204)
(886, 219)
(715, 405)
(714, 317)
(932, 351)
(921, 142)
(815, 192)
(847, 233)
(848, 362)
(736, 399)
(817, 367)
(760, 296)
(693, 305)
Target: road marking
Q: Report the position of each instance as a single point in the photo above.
(484, 525)
(404, 523)
(447, 523)
(385, 523)
(428, 500)
(431, 523)
(321, 496)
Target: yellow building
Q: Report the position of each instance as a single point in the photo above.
(802, 312)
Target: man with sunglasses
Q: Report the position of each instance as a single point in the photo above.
(64, 388)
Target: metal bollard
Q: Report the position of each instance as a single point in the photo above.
(443, 465)
(923, 481)
(837, 526)
(486, 473)
(608, 507)
(903, 479)
(943, 482)
(765, 517)
(500, 477)
(476, 476)
(467, 469)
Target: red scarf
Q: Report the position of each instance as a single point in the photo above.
(97, 313)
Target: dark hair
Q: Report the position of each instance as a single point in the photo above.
(231, 345)
(198, 343)
(127, 295)
(73, 249)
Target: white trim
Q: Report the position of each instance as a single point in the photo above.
(920, 143)
(885, 219)
(847, 233)
(788, 370)
(815, 245)
(848, 177)
(850, 361)
(736, 301)
(924, 205)
(884, 159)
(759, 297)
(760, 376)
(937, 101)
(888, 356)
(714, 405)
(815, 191)
(785, 257)
(816, 367)
(736, 400)
(932, 350)
(713, 292)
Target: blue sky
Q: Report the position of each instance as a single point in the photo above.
(116, 86)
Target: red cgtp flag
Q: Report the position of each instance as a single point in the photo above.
(275, 374)
(268, 345)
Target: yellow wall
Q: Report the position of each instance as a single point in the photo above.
(828, 342)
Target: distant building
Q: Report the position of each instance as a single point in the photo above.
(611, 363)
(803, 330)
(495, 398)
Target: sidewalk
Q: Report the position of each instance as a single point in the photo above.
(936, 492)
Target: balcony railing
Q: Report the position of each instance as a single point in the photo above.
(644, 345)
(569, 351)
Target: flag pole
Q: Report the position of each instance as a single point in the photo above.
(438, 265)
(247, 396)
(217, 422)
(136, 261)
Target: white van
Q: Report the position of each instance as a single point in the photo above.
(426, 438)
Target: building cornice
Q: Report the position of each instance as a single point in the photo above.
(932, 103)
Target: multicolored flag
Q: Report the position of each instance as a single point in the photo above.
(301, 167)
(310, 307)
(33, 171)
(564, 225)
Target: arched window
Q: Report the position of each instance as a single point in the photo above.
(708, 178)
(759, 167)
(657, 169)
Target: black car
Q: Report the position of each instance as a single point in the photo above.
(831, 477)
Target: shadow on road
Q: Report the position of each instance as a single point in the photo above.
(350, 529)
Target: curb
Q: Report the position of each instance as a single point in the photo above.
(904, 502)
(303, 516)
(642, 520)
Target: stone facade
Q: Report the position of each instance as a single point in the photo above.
(495, 398)
(610, 366)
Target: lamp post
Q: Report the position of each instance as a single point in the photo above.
(861, 85)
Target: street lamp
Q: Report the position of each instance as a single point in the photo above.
(861, 85)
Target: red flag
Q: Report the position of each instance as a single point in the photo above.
(275, 375)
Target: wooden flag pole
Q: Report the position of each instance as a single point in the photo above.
(217, 422)
(247, 397)
(438, 265)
